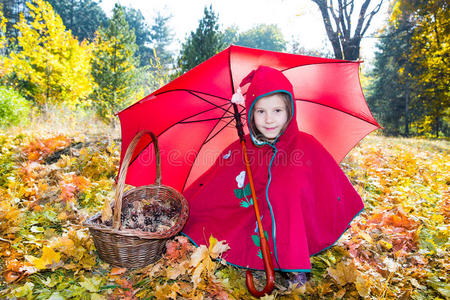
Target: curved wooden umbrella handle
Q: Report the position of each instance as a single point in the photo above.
(264, 245)
(270, 272)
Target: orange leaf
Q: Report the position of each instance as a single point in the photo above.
(117, 271)
(11, 276)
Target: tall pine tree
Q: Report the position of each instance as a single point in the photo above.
(82, 17)
(113, 66)
(391, 89)
(136, 21)
(160, 39)
(206, 41)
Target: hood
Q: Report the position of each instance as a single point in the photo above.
(265, 81)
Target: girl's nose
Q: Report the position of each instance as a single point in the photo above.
(269, 118)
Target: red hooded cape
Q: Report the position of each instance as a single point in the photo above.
(306, 201)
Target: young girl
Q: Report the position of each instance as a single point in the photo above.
(306, 201)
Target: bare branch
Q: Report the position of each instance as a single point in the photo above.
(348, 14)
(332, 35)
(341, 19)
(335, 18)
(372, 13)
(361, 18)
(340, 12)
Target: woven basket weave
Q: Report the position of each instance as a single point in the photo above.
(132, 248)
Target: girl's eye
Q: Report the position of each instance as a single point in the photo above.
(278, 110)
(259, 111)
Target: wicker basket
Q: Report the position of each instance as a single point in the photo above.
(135, 248)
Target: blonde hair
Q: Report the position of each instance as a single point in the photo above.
(287, 102)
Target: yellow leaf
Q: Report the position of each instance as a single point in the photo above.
(385, 244)
(96, 296)
(63, 244)
(340, 294)
(196, 275)
(366, 237)
(106, 211)
(49, 257)
(166, 291)
(343, 273)
(199, 255)
(218, 249)
(91, 284)
(174, 271)
(212, 242)
(362, 285)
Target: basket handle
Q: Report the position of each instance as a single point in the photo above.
(124, 169)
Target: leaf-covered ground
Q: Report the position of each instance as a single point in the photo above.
(50, 183)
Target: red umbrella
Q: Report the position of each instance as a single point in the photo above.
(195, 120)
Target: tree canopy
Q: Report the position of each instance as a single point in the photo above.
(203, 43)
(82, 17)
(136, 22)
(114, 65)
(263, 36)
(51, 65)
(411, 77)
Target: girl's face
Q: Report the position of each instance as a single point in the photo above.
(270, 115)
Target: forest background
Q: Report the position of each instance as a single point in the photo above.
(66, 69)
(69, 53)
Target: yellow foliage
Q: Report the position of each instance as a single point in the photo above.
(5, 65)
(54, 62)
(48, 259)
(343, 273)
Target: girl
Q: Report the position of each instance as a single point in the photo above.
(306, 201)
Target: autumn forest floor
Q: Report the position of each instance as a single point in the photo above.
(396, 248)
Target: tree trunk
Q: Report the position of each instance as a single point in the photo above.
(332, 35)
(344, 45)
(351, 49)
(407, 107)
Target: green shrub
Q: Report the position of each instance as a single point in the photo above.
(14, 109)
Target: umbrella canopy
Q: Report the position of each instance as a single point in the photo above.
(194, 118)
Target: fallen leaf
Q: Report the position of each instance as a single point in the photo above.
(341, 293)
(117, 271)
(11, 276)
(218, 248)
(91, 284)
(48, 258)
(362, 286)
(196, 274)
(106, 211)
(174, 271)
(199, 254)
(343, 273)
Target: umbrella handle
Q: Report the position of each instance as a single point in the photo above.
(268, 267)
(264, 245)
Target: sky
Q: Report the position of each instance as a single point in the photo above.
(297, 19)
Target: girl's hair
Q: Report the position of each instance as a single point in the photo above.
(287, 102)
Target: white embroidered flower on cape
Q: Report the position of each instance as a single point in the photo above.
(240, 179)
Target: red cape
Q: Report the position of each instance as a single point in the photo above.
(305, 199)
